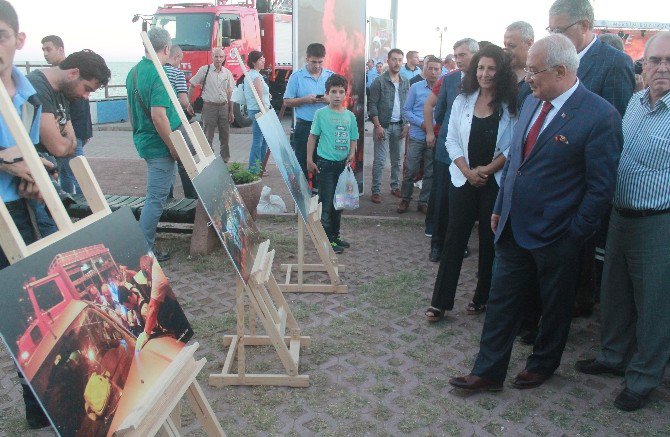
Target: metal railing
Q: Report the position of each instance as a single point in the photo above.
(28, 66)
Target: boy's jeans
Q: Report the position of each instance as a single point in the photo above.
(67, 180)
(160, 177)
(329, 173)
(391, 142)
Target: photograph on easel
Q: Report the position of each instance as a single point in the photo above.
(286, 161)
(228, 215)
(92, 323)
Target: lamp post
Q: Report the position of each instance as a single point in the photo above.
(441, 30)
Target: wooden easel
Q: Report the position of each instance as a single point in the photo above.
(266, 301)
(315, 230)
(181, 380)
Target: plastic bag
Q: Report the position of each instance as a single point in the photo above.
(346, 192)
(270, 203)
(238, 95)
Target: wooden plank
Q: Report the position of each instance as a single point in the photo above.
(261, 379)
(184, 154)
(264, 340)
(89, 185)
(313, 288)
(313, 267)
(11, 240)
(202, 140)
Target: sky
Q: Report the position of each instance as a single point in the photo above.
(106, 27)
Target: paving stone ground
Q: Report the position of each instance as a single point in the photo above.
(376, 366)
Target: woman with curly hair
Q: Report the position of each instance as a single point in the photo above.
(480, 132)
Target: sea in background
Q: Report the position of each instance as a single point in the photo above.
(117, 82)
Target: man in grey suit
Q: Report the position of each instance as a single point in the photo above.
(610, 74)
(558, 179)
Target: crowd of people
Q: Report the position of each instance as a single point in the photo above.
(554, 146)
(561, 152)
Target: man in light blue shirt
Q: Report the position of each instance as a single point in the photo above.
(634, 308)
(305, 92)
(16, 183)
(417, 149)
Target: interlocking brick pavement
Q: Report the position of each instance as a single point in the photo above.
(376, 366)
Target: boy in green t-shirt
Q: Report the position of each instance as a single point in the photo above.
(337, 132)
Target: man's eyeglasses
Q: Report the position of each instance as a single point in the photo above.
(532, 74)
(655, 61)
(559, 30)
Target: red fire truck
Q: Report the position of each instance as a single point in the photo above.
(247, 25)
(71, 276)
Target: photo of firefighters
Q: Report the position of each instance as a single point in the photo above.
(229, 217)
(92, 322)
(286, 161)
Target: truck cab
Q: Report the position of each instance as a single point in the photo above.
(199, 27)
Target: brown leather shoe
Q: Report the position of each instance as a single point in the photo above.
(376, 198)
(475, 383)
(526, 379)
(422, 208)
(402, 207)
(396, 192)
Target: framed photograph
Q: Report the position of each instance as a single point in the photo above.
(286, 161)
(70, 318)
(228, 215)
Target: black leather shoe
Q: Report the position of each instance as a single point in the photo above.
(475, 383)
(592, 367)
(435, 254)
(526, 379)
(628, 400)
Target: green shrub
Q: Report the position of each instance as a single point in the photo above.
(240, 174)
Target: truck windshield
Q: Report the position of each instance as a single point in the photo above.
(188, 31)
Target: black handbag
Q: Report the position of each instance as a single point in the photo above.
(198, 103)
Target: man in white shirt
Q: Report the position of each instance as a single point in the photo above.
(217, 85)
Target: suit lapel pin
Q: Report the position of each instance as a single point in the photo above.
(563, 115)
(562, 139)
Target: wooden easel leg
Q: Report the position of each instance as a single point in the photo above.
(241, 357)
(301, 250)
(203, 410)
(169, 429)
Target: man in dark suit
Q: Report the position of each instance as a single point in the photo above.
(557, 182)
(609, 73)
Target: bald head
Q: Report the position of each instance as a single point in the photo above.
(552, 62)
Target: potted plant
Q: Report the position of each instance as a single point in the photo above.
(248, 184)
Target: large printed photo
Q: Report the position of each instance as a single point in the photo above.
(286, 161)
(228, 215)
(71, 316)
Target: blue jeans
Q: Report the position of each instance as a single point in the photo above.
(160, 177)
(258, 145)
(390, 144)
(45, 224)
(329, 174)
(67, 180)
